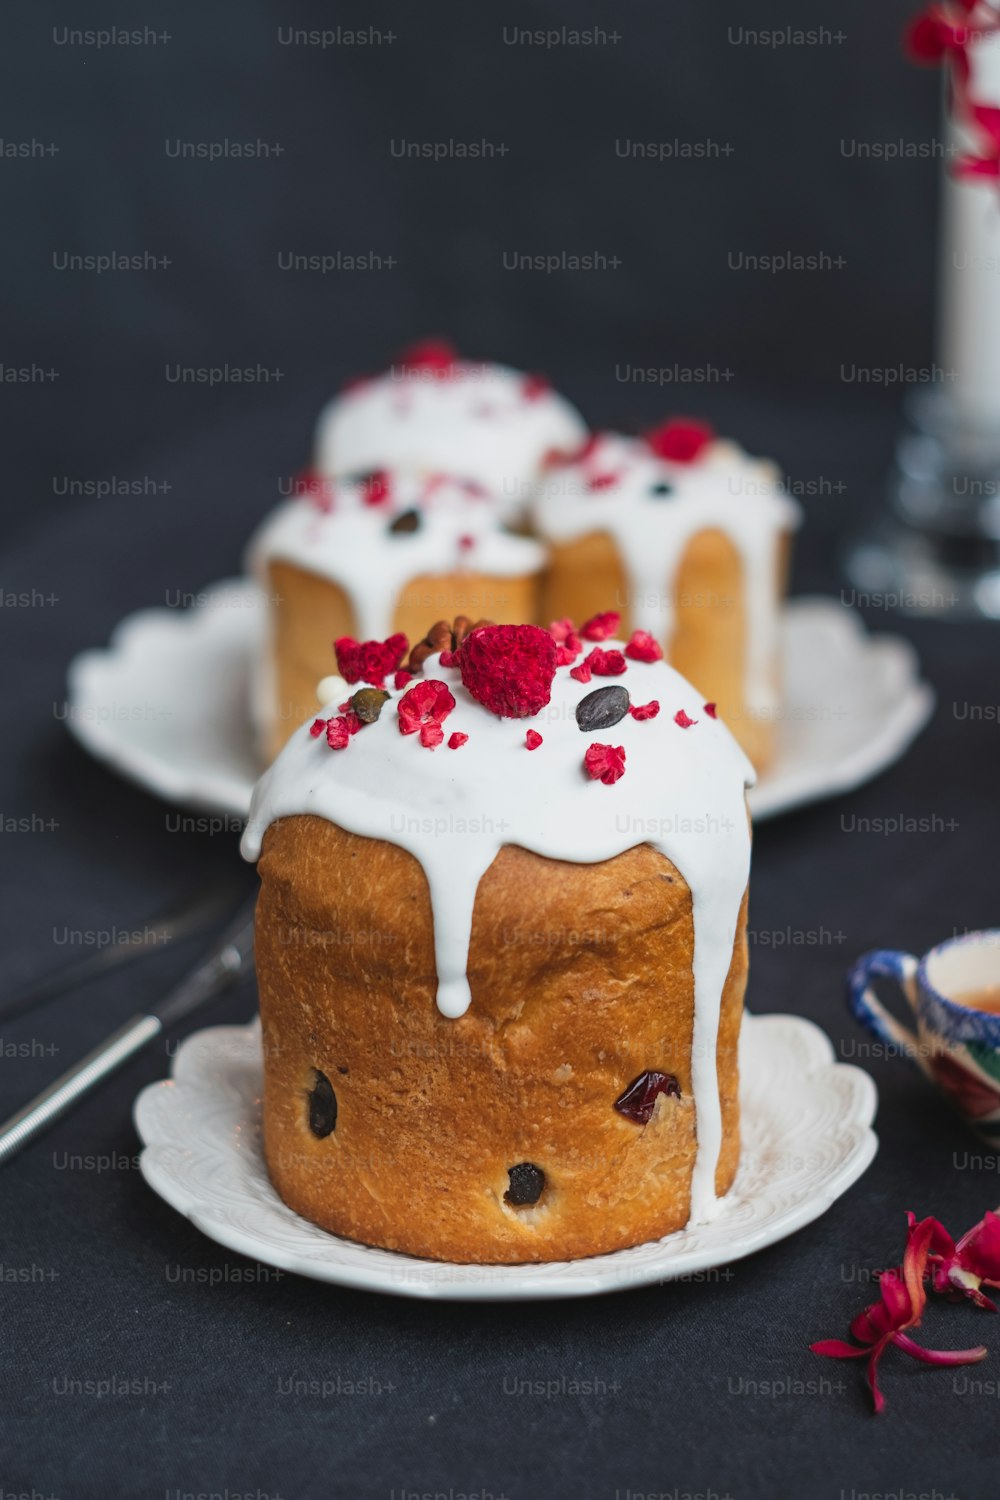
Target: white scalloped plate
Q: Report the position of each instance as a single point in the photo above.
(166, 703)
(807, 1137)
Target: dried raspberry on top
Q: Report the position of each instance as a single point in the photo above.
(427, 702)
(642, 647)
(375, 487)
(509, 668)
(429, 356)
(369, 661)
(605, 663)
(604, 763)
(680, 440)
(601, 627)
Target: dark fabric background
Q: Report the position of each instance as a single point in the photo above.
(101, 1279)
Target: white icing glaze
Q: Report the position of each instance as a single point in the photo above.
(682, 792)
(483, 422)
(350, 542)
(723, 489)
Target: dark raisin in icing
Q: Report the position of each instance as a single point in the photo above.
(409, 520)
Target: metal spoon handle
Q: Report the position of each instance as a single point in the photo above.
(48, 1106)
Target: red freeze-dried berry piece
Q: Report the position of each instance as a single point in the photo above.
(681, 718)
(605, 663)
(680, 440)
(353, 722)
(338, 736)
(567, 653)
(429, 354)
(712, 710)
(639, 1099)
(605, 762)
(560, 630)
(457, 740)
(316, 728)
(369, 661)
(582, 672)
(601, 627)
(534, 386)
(449, 659)
(645, 710)
(602, 481)
(509, 668)
(431, 734)
(401, 678)
(532, 739)
(642, 647)
(428, 702)
(375, 487)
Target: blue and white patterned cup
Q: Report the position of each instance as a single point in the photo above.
(956, 1046)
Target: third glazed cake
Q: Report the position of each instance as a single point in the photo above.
(370, 557)
(501, 951)
(688, 537)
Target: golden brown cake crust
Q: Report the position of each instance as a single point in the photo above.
(309, 612)
(581, 979)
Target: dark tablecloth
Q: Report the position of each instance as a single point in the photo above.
(706, 1388)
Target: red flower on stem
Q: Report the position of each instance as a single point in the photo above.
(901, 1308)
(962, 1270)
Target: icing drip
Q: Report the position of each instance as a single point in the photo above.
(617, 487)
(483, 422)
(682, 792)
(341, 536)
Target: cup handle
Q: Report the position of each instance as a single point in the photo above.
(866, 1007)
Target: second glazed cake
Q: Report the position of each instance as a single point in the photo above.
(370, 557)
(689, 538)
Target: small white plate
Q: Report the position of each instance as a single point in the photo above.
(166, 703)
(807, 1136)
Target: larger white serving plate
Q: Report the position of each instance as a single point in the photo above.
(807, 1136)
(166, 702)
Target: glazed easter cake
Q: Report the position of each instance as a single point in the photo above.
(689, 537)
(437, 413)
(501, 947)
(372, 556)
